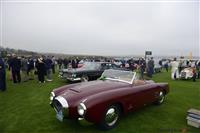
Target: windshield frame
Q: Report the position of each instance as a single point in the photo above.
(90, 66)
(129, 82)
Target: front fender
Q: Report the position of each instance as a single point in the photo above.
(97, 104)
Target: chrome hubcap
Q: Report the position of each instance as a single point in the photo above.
(161, 97)
(111, 117)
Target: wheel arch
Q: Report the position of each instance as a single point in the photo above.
(120, 105)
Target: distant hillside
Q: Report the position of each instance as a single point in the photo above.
(6, 51)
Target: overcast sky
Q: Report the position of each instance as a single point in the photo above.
(166, 28)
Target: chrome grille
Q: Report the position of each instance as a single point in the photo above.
(183, 74)
(67, 75)
(57, 105)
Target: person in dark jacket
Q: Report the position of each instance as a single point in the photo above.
(2, 75)
(194, 74)
(150, 67)
(41, 69)
(48, 63)
(77, 62)
(66, 63)
(30, 68)
(15, 67)
(142, 65)
(198, 69)
(9, 68)
(24, 69)
(73, 63)
(53, 64)
(60, 62)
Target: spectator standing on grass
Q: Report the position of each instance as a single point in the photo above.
(30, 70)
(198, 68)
(180, 66)
(66, 63)
(194, 73)
(73, 63)
(142, 65)
(2, 75)
(77, 62)
(150, 67)
(53, 64)
(16, 67)
(41, 69)
(160, 63)
(24, 68)
(48, 63)
(175, 71)
(60, 62)
(9, 68)
(166, 66)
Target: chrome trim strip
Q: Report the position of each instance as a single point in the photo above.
(53, 94)
(74, 79)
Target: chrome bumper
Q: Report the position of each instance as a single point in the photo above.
(73, 79)
(69, 77)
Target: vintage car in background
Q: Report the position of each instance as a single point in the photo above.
(89, 71)
(103, 101)
(186, 73)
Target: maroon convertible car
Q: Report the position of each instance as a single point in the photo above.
(103, 101)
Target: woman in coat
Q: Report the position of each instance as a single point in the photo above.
(2, 75)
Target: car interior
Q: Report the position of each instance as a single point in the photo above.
(139, 82)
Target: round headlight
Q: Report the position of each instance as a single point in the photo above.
(74, 75)
(81, 109)
(52, 95)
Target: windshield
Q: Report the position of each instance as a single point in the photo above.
(119, 75)
(90, 65)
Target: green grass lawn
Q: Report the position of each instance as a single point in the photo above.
(24, 108)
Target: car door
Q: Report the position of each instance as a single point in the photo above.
(140, 96)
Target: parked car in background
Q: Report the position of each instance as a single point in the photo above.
(89, 71)
(186, 73)
(103, 101)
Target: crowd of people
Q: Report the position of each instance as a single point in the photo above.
(23, 69)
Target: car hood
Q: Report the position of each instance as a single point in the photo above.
(84, 89)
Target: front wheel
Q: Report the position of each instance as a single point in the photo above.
(161, 98)
(110, 118)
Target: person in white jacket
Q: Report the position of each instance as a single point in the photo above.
(175, 69)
